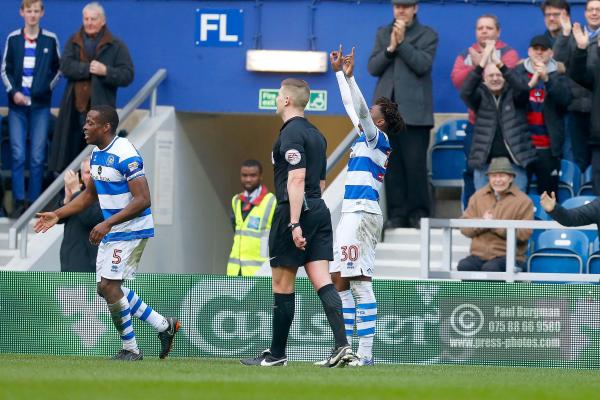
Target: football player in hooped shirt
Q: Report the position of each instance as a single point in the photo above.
(120, 185)
(360, 226)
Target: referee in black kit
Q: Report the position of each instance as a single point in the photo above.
(301, 233)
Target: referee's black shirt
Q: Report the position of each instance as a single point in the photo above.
(300, 145)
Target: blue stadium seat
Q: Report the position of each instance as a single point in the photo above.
(452, 130)
(593, 263)
(586, 188)
(569, 180)
(579, 201)
(538, 211)
(447, 157)
(559, 251)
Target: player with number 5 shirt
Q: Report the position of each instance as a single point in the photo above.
(120, 185)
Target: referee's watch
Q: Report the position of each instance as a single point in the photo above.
(293, 225)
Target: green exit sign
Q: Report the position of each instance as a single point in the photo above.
(317, 102)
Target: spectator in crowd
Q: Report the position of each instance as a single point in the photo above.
(77, 254)
(554, 11)
(96, 63)
(251, 216)
(549, 98)
(581, 71)
(578, 118)
(500, 199)
(501, 130)
(558, 32)
(402, 60)
(487, 29)
(29, 72)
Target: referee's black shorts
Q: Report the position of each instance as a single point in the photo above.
(316, 228)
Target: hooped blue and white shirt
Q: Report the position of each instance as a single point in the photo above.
(112, 168)
(366, 170)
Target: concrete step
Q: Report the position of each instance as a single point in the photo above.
(6, 256)
(5, 224)
(405, 269)
(399, 255)
(411, 251)
(410, 235)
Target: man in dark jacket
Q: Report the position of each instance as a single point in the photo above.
(499, 102)
(77, 254)
(487, 29)
(589, 78)
(96, 64)
(558, 31)
(578, 119)
(402, 59)
(29, 72)
(549, 98)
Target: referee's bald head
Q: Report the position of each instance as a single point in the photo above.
(297, 90)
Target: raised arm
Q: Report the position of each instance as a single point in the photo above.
(336, 59)
(360, 105)
(584, 215)
(578, 70)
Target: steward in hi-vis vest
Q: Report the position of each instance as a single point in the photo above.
(252, 213)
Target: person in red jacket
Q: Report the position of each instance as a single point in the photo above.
(487, 28)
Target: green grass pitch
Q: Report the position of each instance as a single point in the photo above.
(50, 377)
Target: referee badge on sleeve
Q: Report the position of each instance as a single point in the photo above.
(293, 156)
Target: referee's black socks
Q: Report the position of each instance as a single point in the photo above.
(283, 315)
(332, 304)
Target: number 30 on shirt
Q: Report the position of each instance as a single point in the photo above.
(349, 253)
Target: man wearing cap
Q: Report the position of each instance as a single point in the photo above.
(500, 199)
(549, 98)
(402, 59)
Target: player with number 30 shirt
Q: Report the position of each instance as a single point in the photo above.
(361, 222)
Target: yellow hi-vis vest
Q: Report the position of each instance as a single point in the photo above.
(246, 250)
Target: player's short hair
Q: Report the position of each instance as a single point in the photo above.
(490, 16)
(560, 4)
(108, 115)
(391, 114)
(94, 6)
(253, 164)
(297, 90)
(28, 3)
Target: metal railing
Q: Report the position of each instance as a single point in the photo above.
(510, 275)
(17, 233)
